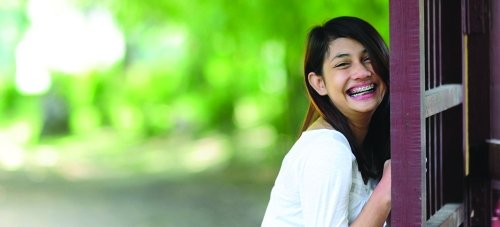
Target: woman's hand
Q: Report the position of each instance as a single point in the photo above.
(385, 182)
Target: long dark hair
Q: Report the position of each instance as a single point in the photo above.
(375, 149)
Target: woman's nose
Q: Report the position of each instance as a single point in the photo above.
(360, 71)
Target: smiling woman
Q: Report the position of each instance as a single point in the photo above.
(349, 80)
(338, 172)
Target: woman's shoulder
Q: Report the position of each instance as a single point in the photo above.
(323, 152)
(328, 136)
(324, 143)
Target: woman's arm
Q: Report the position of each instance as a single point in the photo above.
(376, 210)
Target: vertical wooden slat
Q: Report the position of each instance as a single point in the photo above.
(429, 66)
(408, 158)
(432, 176)
(436, 151)
(428, 10)
(437, 74)
(439, 27)
(428, 164)
(494, 151)
(495, 69)
(439, 163)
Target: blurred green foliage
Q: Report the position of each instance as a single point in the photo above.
(203, 85)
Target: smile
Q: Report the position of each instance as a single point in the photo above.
(363, 90)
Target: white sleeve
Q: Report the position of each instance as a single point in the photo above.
(325, 184)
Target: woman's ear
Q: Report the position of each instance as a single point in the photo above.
(317, 82)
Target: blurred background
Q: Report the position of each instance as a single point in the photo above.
(152, 113)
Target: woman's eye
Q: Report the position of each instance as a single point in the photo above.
(367, 60)
(342, 65)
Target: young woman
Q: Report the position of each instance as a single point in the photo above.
(338, 172)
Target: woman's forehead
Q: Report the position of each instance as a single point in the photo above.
(341, 47)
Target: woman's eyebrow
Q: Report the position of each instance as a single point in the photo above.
(343, 55)
(340, 55)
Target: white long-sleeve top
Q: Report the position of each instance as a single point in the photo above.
(318, 185)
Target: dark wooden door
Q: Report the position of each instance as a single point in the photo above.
(441, 59)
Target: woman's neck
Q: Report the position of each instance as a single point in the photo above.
(359, 130)
(320, 123)
(358, 126)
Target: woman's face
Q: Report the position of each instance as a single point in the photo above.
(349, 79)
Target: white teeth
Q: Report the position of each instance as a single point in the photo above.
(358, 94)
(362, 89)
